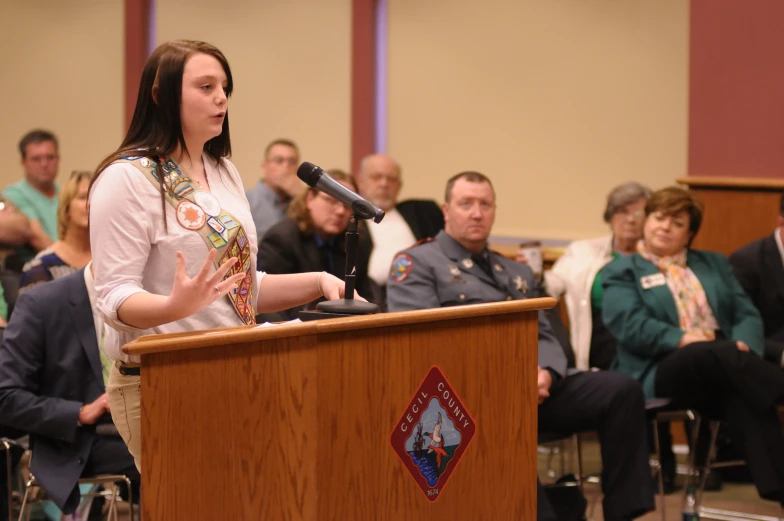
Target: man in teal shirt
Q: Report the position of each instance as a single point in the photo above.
(36, 195)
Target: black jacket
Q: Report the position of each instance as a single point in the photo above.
(424, 217)
(285, 249)
(759, 269)
(49, 368)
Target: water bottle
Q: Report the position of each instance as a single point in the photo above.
(690, 506)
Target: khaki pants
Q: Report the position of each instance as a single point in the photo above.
(125, 403)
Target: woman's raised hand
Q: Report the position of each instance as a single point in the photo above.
(191, 295)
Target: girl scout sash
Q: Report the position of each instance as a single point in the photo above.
(201, 212)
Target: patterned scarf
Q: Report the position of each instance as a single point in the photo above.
(694, 311)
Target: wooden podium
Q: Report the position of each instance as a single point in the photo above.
(738, 210)
(294, 422)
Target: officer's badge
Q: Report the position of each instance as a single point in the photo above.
(497, 267)
(401, 267)
(467, 263)
(456, 277)
(520, 284)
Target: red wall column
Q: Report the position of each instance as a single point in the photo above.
(736, 91)
(137, 25)
(363, 64)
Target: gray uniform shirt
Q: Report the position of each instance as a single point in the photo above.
(441, 273)
(266, 208)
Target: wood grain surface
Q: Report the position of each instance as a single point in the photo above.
(297, 426)
(737, 210)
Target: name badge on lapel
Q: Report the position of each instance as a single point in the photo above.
(653, 281)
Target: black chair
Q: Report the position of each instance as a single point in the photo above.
(13, 449)
(10, 282)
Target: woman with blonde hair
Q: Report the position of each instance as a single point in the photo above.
(72, 251)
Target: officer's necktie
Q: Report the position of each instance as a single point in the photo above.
(481, 259)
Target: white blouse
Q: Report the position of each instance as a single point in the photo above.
(133, 252)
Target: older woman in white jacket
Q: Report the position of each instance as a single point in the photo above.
(577, 275)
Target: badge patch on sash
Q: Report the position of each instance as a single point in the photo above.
(228, 222)
(213, 223)
(190, 216)
(401, 267)
(216, 239)
(183, 188)
(208, 203)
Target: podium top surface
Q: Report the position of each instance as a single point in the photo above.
(150, 344)
(742, 183)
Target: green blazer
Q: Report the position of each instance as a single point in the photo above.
(645, 321)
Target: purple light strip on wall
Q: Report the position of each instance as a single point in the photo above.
(381, 76)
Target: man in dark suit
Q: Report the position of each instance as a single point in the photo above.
(456, 269)
(759, 267)
(52, 386)
(379, 181)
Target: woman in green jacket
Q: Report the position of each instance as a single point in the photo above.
(687, 331)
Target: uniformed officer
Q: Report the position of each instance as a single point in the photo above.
(457, 268)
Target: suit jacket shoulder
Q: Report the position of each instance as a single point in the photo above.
(753, 250)
(283, 249)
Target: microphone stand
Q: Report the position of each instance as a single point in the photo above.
(348, 305)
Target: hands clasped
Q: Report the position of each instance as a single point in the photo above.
(91, 412)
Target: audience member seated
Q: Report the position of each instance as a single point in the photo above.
(53, 376)
(269, 199)
(759, 269)
(577, 275)
(688, 332)
(313, 238)
(36, 195)
(14, 234)
(72, 251)
(457, 268)
(405, 223)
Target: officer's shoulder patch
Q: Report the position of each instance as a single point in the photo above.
(401, 267)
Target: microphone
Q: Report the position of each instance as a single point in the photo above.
(316, 177)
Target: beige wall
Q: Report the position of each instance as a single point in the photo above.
(556, 101)
(291, 63)
(62, 69)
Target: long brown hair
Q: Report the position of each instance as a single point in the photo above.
(156, 127)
